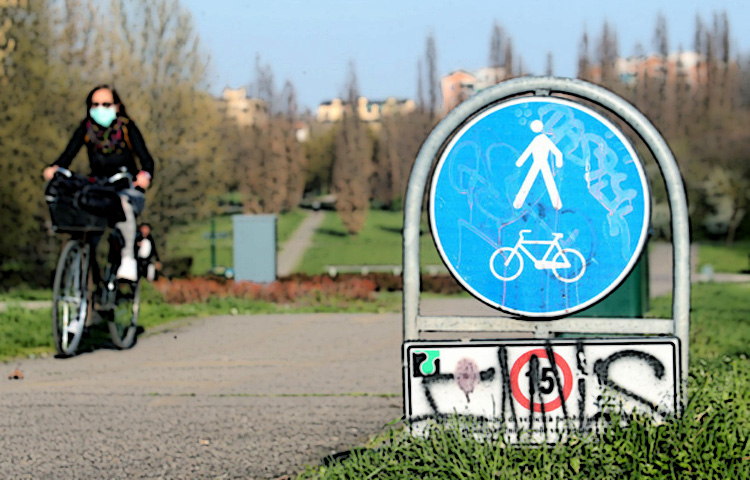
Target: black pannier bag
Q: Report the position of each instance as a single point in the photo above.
(77, 204)
(101, 201)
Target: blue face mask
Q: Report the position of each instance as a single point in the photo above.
(104, 116)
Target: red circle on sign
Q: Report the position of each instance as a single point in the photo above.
(522, 399)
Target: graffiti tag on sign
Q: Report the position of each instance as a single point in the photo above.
(541, 391)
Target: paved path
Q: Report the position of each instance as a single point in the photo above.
(293, 250)
(256, 396)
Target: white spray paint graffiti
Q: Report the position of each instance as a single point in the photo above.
(540, 392)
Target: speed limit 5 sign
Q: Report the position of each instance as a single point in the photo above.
(541, 391)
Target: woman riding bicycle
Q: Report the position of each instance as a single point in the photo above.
(111, 139)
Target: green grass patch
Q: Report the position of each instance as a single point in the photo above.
(25, 295)
(719, 320)
(192, 240)
(710, 440)
(723, 258)
(26, 332)
(379, 243)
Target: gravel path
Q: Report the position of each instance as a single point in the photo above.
(293, 250)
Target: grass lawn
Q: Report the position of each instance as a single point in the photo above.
(725, 259)
(710, 440)
(192, 240)
(379, 243)
(29, 332)
(25, 294)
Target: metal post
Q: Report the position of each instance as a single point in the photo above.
(213, 242)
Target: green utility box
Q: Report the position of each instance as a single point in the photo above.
(629, 300)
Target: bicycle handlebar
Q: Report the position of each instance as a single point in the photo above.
(114, 178)
(64, 171)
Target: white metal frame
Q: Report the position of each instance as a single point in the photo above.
(414, 323)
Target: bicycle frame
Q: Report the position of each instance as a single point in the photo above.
(543, 263)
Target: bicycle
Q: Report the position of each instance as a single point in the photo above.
(79, 292)
(559, 261)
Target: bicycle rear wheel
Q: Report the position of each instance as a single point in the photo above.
(123, 322)
(70, 297)
(506, 264)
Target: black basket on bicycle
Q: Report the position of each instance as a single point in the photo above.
(81, 204)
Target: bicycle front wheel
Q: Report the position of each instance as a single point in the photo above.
(70, 297)
(123, 323)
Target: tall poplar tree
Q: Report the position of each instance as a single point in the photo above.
(352, 166)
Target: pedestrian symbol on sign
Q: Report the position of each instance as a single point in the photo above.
(539, 149)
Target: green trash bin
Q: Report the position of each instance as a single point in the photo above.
(629, 300)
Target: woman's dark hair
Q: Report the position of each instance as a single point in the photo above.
(122, 112)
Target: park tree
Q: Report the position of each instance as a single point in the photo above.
(700, 107)
(320, 150)
(432, 80)
(296, 160)
(607, 53)
(550, 66)
(269, 159)
(584, 58)
(661, 99)
(352, 166)
(263, 166)
(385, 180)
(421, 102)
(497, 52)
(28, 130)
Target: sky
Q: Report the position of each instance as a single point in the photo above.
(312, 42)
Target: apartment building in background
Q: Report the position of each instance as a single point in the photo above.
(369, 111)
(689, 65)
(459, 85)
(245, 110)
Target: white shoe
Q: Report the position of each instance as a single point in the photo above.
(128, 270)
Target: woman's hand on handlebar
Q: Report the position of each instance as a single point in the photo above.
(49, 172)
(143, 180)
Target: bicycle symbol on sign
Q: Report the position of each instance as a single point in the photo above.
(561, 266)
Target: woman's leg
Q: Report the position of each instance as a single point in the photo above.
(128, 267)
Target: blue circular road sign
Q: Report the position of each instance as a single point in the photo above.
(539, 206)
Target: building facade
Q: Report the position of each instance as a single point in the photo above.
(246, 111)
(459, 85)
(370, 111)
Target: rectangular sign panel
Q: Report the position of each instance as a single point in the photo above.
(538, 391)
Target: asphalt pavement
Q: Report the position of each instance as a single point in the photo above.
(248, 397)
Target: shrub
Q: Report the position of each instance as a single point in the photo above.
(288, 290)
